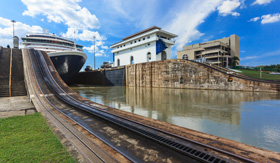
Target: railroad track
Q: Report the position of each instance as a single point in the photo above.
(90, 151)
(197, 151)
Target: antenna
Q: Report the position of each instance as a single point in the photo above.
(94, 51)
(75, 47)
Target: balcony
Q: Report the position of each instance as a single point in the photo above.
(214, 51)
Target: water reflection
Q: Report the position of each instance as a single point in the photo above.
(248, 117)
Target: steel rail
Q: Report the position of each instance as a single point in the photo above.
(33, 67)
(39, 86)
(171, 144)
(106, 142)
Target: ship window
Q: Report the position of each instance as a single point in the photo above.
(135, 41)
(139, 40)
(148, 37)
(144, 38)
(131, 42)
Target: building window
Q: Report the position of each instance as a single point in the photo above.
(118, 62)
(131, 60)
(149, 57)
(185, 57)
(163, 55)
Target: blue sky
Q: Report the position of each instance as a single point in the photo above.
(256, 22)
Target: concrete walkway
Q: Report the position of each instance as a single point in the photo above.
(15, 106)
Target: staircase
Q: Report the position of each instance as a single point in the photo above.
(17, 86)
(4, 71)
(17, 76)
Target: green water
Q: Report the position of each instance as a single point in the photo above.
(247, 117)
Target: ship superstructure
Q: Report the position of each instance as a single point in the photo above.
(67, 56)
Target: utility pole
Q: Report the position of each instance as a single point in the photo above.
(13, 21)
(260, 72)
(94, 51)
(75, 46)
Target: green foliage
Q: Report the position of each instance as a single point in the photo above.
(235, 61)
(29, 139)
(271, 67)
(256, 74)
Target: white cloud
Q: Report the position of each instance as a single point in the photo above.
(254, 19)
(235, 14)
(261, 2)
(21, 29)
(91, 49)
(248, 58)
(227, 7)
(181, 17)
(265, 19)
(98, 52)
(62, 11)
(187, 18)
(270, 18)
(263, 55)
(84, 35)
(105, 47)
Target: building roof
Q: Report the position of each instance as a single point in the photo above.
(145, 31)
(141, 32)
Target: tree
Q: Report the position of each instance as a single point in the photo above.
(235, 61)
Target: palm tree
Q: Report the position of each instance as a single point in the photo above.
(235, 61)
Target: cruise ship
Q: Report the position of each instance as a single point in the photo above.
(67, 56)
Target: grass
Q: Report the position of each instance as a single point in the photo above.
(29, 139)
(256, 74)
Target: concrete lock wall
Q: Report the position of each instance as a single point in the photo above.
(186, 74)
(115, 77)
(103, 77)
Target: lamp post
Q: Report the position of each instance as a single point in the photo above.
(13, 21)
(94, 51)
